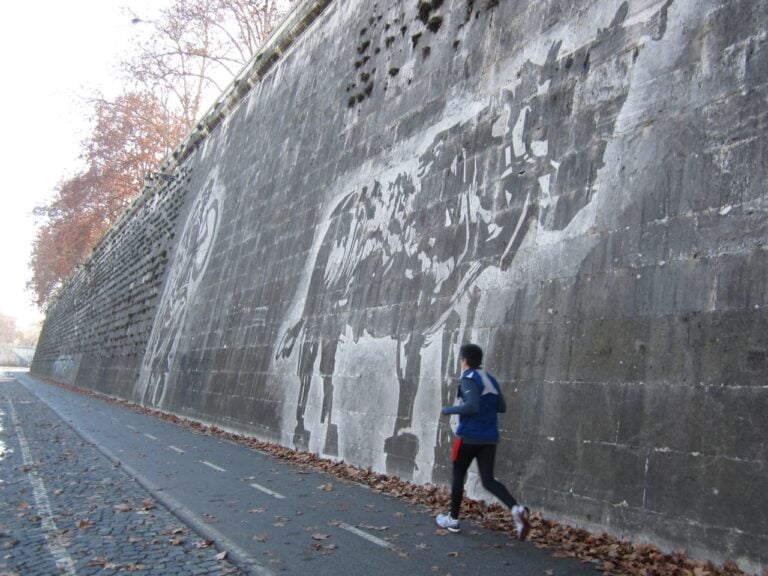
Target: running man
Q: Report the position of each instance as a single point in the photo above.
(476, 438)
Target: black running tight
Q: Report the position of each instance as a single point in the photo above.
(485, 455)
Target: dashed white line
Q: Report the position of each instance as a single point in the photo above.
(150, 436)
(366, 536)
(55, 544)
(218, 468)
(179, 450)
(131, 427)
(268, 491)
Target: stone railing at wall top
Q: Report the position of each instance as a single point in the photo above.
(297, 20)
(300, 17)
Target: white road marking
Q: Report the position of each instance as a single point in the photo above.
(150, 436)
(268, 491)
(60, 555)
(366, 536)
(131, 427)
(218, 468)
(179, 450)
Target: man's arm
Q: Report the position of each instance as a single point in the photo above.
(470, 393)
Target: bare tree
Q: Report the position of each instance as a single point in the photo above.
(252, 22)
(196, 47)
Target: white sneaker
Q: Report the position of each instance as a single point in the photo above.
(522, 524)
(450, 524)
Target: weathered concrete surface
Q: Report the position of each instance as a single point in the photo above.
(577, 186)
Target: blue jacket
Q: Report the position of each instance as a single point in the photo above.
(481, 400)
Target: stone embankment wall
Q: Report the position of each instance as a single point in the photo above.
(577, 186)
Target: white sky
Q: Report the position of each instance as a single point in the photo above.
(52, 54)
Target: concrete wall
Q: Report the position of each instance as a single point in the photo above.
(579, 187)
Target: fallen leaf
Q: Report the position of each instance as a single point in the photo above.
(562, 553)
(318, 536)
(323, 547)
(123, 508)
(176, 541)
(453, 554)
(84, 523)
(221, 555)
(204, 544)
(327, 487)
(261, 538)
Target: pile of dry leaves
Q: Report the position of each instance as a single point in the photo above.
(609, 554)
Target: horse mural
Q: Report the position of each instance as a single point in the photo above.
(400, 258)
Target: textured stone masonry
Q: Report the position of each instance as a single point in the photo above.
(579, 187)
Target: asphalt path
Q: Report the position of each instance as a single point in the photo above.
(275, 517)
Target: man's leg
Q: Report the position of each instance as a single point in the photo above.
(486, 458)
(463, 454)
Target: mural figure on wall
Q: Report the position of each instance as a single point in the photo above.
(401, 259)
(189, 264)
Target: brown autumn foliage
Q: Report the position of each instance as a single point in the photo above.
(130, 138)
(65, 238)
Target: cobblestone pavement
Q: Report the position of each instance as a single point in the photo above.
(66, 509)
